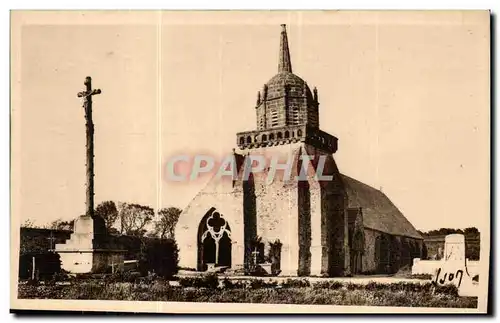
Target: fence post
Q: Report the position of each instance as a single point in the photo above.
(33, 269)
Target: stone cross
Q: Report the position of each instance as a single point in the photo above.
(87, 105)
(51, 239)
(255, 254)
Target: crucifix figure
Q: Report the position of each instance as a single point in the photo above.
(87, 105)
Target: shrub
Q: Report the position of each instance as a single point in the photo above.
(335, 285)
(208, 281)
(160, 257)
(351, 286)
(290, 283)
(451, 290)
(373, 286)
(227, 283)
(188, 281)
(130, 276)
(328, 285)
(46, 265)
(257, 283)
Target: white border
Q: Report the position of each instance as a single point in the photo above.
(182, 4)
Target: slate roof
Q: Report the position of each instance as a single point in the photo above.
(379, 213)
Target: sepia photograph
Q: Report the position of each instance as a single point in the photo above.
(250, 161)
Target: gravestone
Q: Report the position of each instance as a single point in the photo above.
(453, 267)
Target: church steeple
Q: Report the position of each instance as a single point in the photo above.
(286, 110)
(285, 63)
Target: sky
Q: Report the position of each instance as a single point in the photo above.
(407, 94)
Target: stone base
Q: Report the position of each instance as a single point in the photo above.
(91, 261)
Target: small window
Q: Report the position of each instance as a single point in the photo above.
(249, 140)
(271, 136)
(264, 137)
(287, 134)
(242, 140)
(299, 133)
(280, 135)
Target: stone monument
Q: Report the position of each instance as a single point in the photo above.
(89, 249)
(453, 270)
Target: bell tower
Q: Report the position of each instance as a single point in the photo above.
(287, 111)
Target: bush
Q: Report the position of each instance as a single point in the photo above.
(373, 286)
(130, 276)
(46, 265)
(290, 283)
(160, 257)
(328, 285)
(451, 290)
(208, 281)
(351, 286)
(189, 281)
(121, 277)
(228, 284)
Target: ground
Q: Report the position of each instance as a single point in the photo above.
(367, 291)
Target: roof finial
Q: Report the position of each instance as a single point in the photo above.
(285, 63)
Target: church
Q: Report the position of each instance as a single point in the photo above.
(312, 227)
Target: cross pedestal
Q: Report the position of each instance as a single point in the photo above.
(88, 249)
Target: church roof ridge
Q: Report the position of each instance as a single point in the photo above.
(379, 212)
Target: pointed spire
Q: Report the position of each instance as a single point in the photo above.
(285, 63)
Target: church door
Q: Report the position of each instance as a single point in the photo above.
(214, 241)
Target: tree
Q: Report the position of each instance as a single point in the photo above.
(471, 231)
(158, 256)
(66, 225)
(59, 224)
(108, 212)
(165, 224)
(134, 218)
(28, 223)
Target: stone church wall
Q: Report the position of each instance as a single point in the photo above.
(228, 202)
(307, 217)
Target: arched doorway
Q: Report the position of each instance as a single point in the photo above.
(214, 241)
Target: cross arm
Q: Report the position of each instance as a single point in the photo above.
(85, 93)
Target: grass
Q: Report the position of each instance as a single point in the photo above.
(331, 293)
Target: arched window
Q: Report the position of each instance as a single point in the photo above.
(264, 137)
(271, 136)
(280, 135)
(287, 134)
(242, 140)
(249, 140)
(299, 133)
(214, 240)
(293, 134)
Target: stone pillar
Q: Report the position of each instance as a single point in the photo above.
(317, 235)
